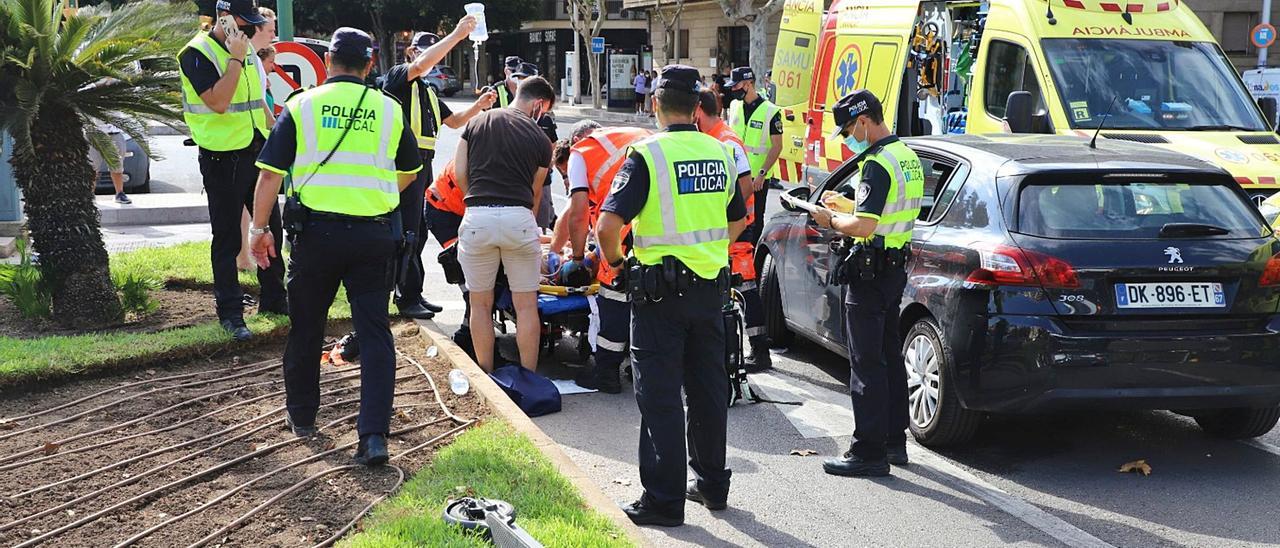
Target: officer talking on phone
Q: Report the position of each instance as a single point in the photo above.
(350, 154)
(678, 190)
(887, 198)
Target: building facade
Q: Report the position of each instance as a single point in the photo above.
(702, 37)
(1231, 21)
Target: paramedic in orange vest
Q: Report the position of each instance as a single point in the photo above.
(742, 253)
(443, 216)
(593, 160)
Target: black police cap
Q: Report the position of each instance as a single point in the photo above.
(424, 40)
(679, 77)
(513, 62)
(740, 75)
(526, 70)
(351, 42)
(853, 105)
(244, 9)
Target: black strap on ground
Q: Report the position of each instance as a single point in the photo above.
(757, 398)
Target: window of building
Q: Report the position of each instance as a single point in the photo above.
(734, 47)
(1009, 69)
(679, 49)
(1235, 32)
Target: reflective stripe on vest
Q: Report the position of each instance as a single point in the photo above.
(504, 95)
(444, 194)
(603, 153)
(757, 141)
(690, 226)
(415, 115)
(245, 114)
(906, 192)
(360, 177)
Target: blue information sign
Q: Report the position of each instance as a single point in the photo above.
(597, 44)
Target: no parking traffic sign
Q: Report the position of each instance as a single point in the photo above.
(297, 67)
(1263, 35)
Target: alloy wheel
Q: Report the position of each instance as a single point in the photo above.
(921, 360)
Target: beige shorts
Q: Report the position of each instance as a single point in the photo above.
(99, 163)
(506, 236)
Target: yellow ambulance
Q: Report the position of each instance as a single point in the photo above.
(1142, 70)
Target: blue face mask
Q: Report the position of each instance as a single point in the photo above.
(856, 146)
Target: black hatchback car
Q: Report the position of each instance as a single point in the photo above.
(1049, 274)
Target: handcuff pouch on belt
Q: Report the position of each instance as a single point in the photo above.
(864, 261)
(653, 283)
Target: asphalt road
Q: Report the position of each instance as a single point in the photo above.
(1035, 481)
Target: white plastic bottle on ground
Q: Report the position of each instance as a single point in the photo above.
(458, 382)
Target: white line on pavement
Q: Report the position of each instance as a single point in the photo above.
(1043, 521)
(824, 414)
(1259, 444)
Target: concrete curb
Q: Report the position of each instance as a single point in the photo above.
(161, 129)
(176, 215)
(492, 394)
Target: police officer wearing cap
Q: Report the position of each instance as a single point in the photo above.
(223, 104)
(506, 89)
(350, 154)
(424, 115)
(678, 191)
(758, 122)
(887, 198)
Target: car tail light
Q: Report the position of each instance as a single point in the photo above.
(1271, 274)
(1008, 265)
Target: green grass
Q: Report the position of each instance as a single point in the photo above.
(493, 461)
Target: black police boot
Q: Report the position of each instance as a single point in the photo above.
(372, 450)
(691, 492)
(301, 431)
(434, 308)
(643, 512)
(417, 312)
(897, 455)
(853, 465)
(237, 329)
(604, 379)
(462, 338)
(759, 358)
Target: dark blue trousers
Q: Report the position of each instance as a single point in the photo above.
(877, 378)
(679, 343)
(361, 257)
(410, 272)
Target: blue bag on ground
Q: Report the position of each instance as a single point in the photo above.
(535, 394)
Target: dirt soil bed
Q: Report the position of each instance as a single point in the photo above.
(178, 307)
(116, 464)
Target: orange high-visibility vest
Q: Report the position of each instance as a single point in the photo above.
(604, 152)
(444, 194)
(723, 133)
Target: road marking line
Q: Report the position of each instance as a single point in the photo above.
(1031, 515)
(1262, 445)
(824, 414)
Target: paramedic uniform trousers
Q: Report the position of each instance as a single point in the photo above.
(615, 329)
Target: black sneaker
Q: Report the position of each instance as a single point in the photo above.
(691, 492)
(591, 379)
(122, 199)
(435, 308)
(298, 430)
(897, 456)
(372, 450)
(642, 512)
(237, 329)
(855, 466)
(417, 312)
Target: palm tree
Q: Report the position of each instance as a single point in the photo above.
(59, 68)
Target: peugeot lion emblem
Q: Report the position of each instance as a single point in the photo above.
(1175, 255)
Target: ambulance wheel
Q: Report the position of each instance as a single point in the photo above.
(775, 322)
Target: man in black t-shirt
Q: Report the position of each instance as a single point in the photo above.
(424, 113)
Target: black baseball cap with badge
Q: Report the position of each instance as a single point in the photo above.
(423, 40)
(244, 9)
(851, 106)
(740, 75)
(512, 62)
(679, 77)
(526, 70)
(351, 42)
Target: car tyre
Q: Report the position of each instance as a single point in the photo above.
(450, 93)
(775, 321)
(1239, 423)
(935, 415)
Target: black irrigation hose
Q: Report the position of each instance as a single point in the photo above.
(122, 387)
(273, 364)
(231, 492)
(175, 426)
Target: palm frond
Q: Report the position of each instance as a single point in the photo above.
(101, 142)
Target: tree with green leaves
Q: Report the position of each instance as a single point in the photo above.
(59, 70)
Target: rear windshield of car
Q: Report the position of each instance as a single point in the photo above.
(448, 71)
(1133, 210)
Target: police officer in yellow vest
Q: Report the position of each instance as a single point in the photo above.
(678, 191)
(350, 155)
(424, 114)
(223, 104)
(878, 231)
(506, 89)
(758, 123)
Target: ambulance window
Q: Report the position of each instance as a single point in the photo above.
(1009, 69)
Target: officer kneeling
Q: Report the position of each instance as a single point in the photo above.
(874, 267)
(350, 155)
(677, 190)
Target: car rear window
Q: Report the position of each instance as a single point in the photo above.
(1132, 210)
(448, 71)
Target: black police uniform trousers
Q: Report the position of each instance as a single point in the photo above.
(410, 272)
(877, 379)
(360, 256)
(230, 179)
(677, 343)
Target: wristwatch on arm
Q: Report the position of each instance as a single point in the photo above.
(255, 231)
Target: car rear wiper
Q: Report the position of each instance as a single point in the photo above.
(1172, 230)
(1220, 127)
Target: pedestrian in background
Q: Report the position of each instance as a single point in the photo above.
(425, 115)
(119, 148)
(640, 82)
(350, 201)
(502, 161)
(222, 103)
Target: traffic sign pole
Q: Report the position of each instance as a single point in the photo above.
(284, 25)
(1264, 23)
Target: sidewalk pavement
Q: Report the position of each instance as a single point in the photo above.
(177, 208)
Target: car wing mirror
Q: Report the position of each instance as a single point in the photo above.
(1019, 111)
(799, 193)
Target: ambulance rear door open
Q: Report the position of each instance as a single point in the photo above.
(793, 67)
